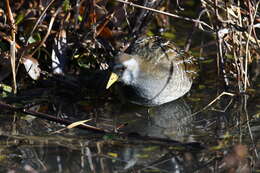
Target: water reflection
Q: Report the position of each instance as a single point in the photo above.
(171, 120)
(31, 145)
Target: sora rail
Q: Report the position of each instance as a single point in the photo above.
(154, 71)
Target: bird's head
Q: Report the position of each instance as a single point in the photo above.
(125, 69)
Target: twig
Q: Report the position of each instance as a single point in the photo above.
(249, 127)
(166, 13)
(7, 38)
(251, 17)
(49, 117)
(12, 43)
(31, 33)
(125, 136)
(48, 31)
(213, 101)
(38, 21)
(225, 109)
(104, 24)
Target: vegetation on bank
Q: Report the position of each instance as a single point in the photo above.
(63, 37)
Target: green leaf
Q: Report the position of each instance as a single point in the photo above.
(31, 40)
(19, 18)
(36, 37)
(66, 5)
(6, 90)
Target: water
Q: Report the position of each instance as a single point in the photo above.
(37, 145)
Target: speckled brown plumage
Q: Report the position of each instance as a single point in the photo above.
(164, 72)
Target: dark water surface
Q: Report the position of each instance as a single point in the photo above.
(228, 129)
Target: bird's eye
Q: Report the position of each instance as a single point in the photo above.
(122, 68)
(119, 68)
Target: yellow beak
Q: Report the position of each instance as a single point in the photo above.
(112, 79)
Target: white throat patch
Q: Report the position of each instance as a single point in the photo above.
(131, 72)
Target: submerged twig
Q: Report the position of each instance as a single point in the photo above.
(48, 117)
(249, 127)
(134, 138)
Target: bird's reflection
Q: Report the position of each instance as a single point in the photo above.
(171, 120)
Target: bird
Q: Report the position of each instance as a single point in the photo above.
(153, 71)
